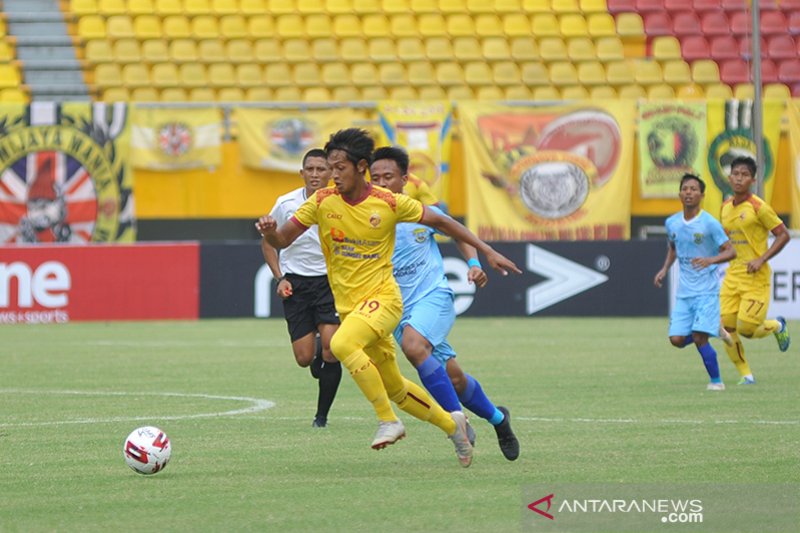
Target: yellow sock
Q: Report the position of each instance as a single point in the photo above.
(416, 402)
(736, 355)
(369, 381)
(768, 327)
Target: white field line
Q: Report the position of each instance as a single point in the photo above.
(256, 405)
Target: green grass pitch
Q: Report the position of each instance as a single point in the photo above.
(592, 401)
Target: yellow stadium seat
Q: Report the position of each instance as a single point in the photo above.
(347, 26)
(546, 93)
(524, 49)
(545, 25)
(744, 91)
(205, 27)
(382, 49)
(238, 51)
(574, 92)
(148, 27)
(287, 94)
(318, 25)
(366, 6)
(112, 94)
(105, 75)
(135, 75)
(251, 75)
(536, 6)
(211, 51)
(346, 94)
(591, 73)
(280, 7)
(593, 6)
(517, 92)
(552, 49)
(97, 51)
(202, 94)
(439, 49)
(434, 25)
(603, 92)
(676, 72)
(7, 50)
(776, 90)
(564, 6)
(335, 74)
(230, 94)
(563, 73)
(119, 27)
(449, 73)
(619, 73)
(141, 7)
(461, 25)
(258, 94)
(630, 28)
(489, 92)
(260, 27)
(705, 72)
(91, 27)
(392, 75)
(395, 6)
(168, 7)
(353, 49)
(460, 92)
(403, 25)
(192, 75)
(197, 7)
(633, 91)
(112, 7)
(221, 75)
(235, 27)
(310, 7)
(420, 73)
(374, 93)
(277, 75)
(84, 7)
(339, 7)
(534, 73)
(164, 75)
(364, 74)
(647, 72)
(467, 49)
(127, 51)
(498, 6)
(317, 94)
(403, 93)
(496, 49)
(375, 25)
(252, 7)
(660, 91)
(306, 75)
(452, 6)
(573, 25)
(432, 92)
(715, 91)
(225, 7)
(410, 49)
(296, 50)
(609, 49)
(488, 26)
(477, 73)
(290, 26)
(155, 51)
(181, 50)
(601, 25)
(267, 50)
(174, 94)
(516, 25)
(581, 49)
(177, 27)
(424, 6)
(666, 47)
(506, 73)
(690, 91)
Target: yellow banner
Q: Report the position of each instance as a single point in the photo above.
(175, 138)
(730, 135)
(794, 141)
(425, 130)
(672, 142)
(548, 173)
(278, 139)
(64, 173)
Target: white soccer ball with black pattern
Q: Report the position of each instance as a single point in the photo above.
(147, 450)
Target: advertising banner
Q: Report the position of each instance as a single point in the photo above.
(425, 130)
(64, 173)
(58, 283)
(278, 139)
(175, 138)
(553, 172)
(794, 142)
(672, 141)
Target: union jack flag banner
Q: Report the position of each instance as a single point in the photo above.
(64, 173)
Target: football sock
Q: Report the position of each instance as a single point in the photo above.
(369, 381)
(330, 375)
(709, 356)
(435, 378)
(736, 355)
(687, 340)
(768, 327)
(476, 401)
(415, 401)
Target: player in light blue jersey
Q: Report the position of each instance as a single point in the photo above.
(699, 243)
(428, 310)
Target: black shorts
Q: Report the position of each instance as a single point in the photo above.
(310, 304)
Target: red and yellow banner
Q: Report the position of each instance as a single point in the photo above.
(557, 172)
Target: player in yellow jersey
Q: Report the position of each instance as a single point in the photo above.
(417, 189)
(744, 298)
(357, 234)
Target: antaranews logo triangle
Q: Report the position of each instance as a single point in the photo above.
(549, 500)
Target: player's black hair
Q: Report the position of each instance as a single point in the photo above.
(314, 152)
(749, 162)
(687, 177)
(355, 142)
(396, 154)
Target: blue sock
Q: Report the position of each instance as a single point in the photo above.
(687, 340)
(436, 380)
(476, 401)
(710, 360)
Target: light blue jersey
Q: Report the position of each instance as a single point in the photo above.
(701, 236)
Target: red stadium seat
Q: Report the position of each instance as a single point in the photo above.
(724, 47)
(789, 72)
(686, 23)
(733, 71)
(695, 47)
(646, 6)
(769, 71)
(773, 23)
(781, 47)
(735, 5)
(621, 6)
(715, 23)
(741, 23)
(657, 23)
(794, 23)
(746, 47)
(678, 5)
(702, 6)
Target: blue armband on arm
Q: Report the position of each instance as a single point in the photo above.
(473, 263)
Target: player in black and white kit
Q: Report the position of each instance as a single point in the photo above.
(303, 285)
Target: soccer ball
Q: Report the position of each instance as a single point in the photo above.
(147, 450)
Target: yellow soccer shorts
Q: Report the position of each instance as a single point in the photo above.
(746, 296)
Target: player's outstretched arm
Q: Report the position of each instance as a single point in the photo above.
(476, 274)
(459, 232)
(278, 237)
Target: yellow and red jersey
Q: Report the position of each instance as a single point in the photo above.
(748, 225)
(419, 190)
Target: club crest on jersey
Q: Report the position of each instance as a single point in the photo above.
(698, 238)
(337, 235)
(420, 235)
(174, 138)
(375, 220)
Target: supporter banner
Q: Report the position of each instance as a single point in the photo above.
(278, 139)
(730, 135)
(64, 173)
(548, 173)
(120, 282)
(794, 142)
(425, 130)
(175, 138)
(672, 141)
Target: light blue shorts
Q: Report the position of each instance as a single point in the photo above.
(432, 317)
(696, 313)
